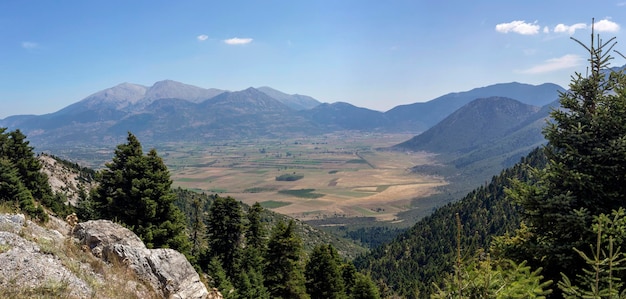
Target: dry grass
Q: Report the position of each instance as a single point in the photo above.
(112, 280)
(379, 186)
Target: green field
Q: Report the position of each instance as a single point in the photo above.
(333, 175)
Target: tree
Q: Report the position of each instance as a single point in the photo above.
(283, 268)
(135, 189)
(323, 273)
(363, 288)
(255, 234)
(225, 232)
(599, 279)
(15, 148)
(13, 191)
(584, 177)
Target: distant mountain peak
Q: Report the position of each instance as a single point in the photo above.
(121, 95)
(170, 89)
(294, 101)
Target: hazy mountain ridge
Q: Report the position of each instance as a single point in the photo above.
(427, 114)
(183, 115)
(294, 101)
(478, 122)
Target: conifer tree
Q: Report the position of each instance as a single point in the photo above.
(135, 189)
(363, 288)
(225, 233)
(587, 161)
(323, 273)
(283, 267)
(255, 234)
(13, 191)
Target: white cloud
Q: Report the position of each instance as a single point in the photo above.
(202, 37)
(546, 29)
(570, 29)
(606, 26)
(29, 45)
(237, 41)
(555, 64)
(520, 27)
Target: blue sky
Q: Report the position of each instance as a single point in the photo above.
(373, 54)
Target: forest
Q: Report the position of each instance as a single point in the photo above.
(552, 226)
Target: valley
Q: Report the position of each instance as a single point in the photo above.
(339, 175)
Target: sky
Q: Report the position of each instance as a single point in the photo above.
(372, 54)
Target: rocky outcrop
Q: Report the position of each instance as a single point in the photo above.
(63, 179)
(28, 262)
(166, 270)
(56, 261)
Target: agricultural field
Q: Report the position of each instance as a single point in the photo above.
(313, 178)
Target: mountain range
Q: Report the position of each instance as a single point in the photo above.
(173, 111)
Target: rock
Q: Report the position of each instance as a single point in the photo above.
(166, 270)
(31, 266)
(97, 234)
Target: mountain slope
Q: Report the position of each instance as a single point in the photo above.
(344, 116)
(480, 121)
(169, 89)
(294, 101)
(423, 254)
(421, 116)
(173, 111)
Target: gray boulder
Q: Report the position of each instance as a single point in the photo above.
(166, 270)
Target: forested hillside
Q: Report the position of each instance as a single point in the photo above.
(552, 226)
(247, 252)
(426, 252)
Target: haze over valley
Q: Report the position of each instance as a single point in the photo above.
(350, 161)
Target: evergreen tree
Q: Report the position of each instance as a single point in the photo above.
(13, 191)
(136, 191)
(587, 161)
(255, 233)
(605, 260)
(363, 288)
(219, 279)
(283, 268)
(15, 148)
(197, 226)
(323, 273)
(225, 232)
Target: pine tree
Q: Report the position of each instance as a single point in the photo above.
(21, 154)
(135, 189)
(587, 162)
(225, 233)
(363, 288)
(12, 191)
(323, 274)
(605, 261)
(255, 233)
(283, 267)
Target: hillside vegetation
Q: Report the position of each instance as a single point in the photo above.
(247, 252)
(551, 226)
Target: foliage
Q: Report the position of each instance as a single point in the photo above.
(362, 288)
(135, 189)
(419, 257)
(323, 273)
(600, 279)
(21, 180)
(283, 269)
(289, 177)
(585, 174)
(302, 193)
(374, 236)
(225, 232)
(485, 278)
(13, 191)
